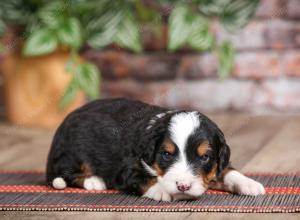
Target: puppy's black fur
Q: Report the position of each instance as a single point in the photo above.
(111, 136)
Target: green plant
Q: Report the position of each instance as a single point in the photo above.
(47, 25)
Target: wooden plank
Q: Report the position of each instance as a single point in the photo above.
(24, 148)
(28, 150)
(145, 215)
(230, 123)
(245, 134)
(281, 153)
(25, 157)
(250, 136)
(98, 215)
(244, 216)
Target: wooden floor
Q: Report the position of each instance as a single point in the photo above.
(258, 143)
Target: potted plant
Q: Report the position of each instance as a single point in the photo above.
(168, 27)
(44, 71)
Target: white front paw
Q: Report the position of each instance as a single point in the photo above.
(238, 183)
(94, 183)
(157, 193)
(250, 187)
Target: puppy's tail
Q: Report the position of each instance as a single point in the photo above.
(59, 183)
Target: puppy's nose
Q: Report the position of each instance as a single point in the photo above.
(183, 186)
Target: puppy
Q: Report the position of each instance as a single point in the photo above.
(144, 150)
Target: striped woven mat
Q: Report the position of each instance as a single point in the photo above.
(27, 191)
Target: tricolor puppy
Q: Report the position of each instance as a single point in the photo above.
(145, 150)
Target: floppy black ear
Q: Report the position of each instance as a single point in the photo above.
(151, 140)
(224, 153)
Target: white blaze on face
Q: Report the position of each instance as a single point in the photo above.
(182, 126)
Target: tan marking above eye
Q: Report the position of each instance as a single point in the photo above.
(203, 149)
(169, 147)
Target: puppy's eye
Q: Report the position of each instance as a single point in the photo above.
(166, 156)
(204, 158)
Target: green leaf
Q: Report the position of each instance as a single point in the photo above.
(40, 42)
(237, 14)
(2, 27)
(186, 27)
(102, 39)
(179, 27)
(69, 95)
(33, 25)
(212, 7)
(51, 13)
(69, 33)
(145, 13)
(104, 29)
(225, 54)
(128, 35)
(200, 38)
(105, 20)
(2, 48)
(87, 77)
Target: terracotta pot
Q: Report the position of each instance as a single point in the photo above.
(33, 87)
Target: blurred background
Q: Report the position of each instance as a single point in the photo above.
(207, 55)
(213, 56)
(236, 60)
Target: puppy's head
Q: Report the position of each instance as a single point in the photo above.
(191, 153)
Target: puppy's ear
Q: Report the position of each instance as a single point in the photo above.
(151, 141)
(223, 154)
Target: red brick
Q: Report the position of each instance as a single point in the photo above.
(271, 33)
(1, 82)
(293, 8)
(154, 66)
(213, 95)
(203, 95)
(278, 95)
(282, 34)
(257, 65)
(291, 63)
(217, 95)
(251, 37)
(198, 66)
(146, 67)
(113, 64)
(297, 40)
(272, 8)
(1, 90)
(124, 88)
(154, 92)
(154, 39)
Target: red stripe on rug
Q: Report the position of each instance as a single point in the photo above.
(41, 172)
(149, 206)
(37, 189)
(46, 189)
(37, 172)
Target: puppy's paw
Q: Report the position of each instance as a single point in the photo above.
(156, 192)
(59, 183)
(250, 187)
(238, 183)
(94, 183)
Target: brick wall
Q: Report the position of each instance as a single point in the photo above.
(266, 76)
(1, 89)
